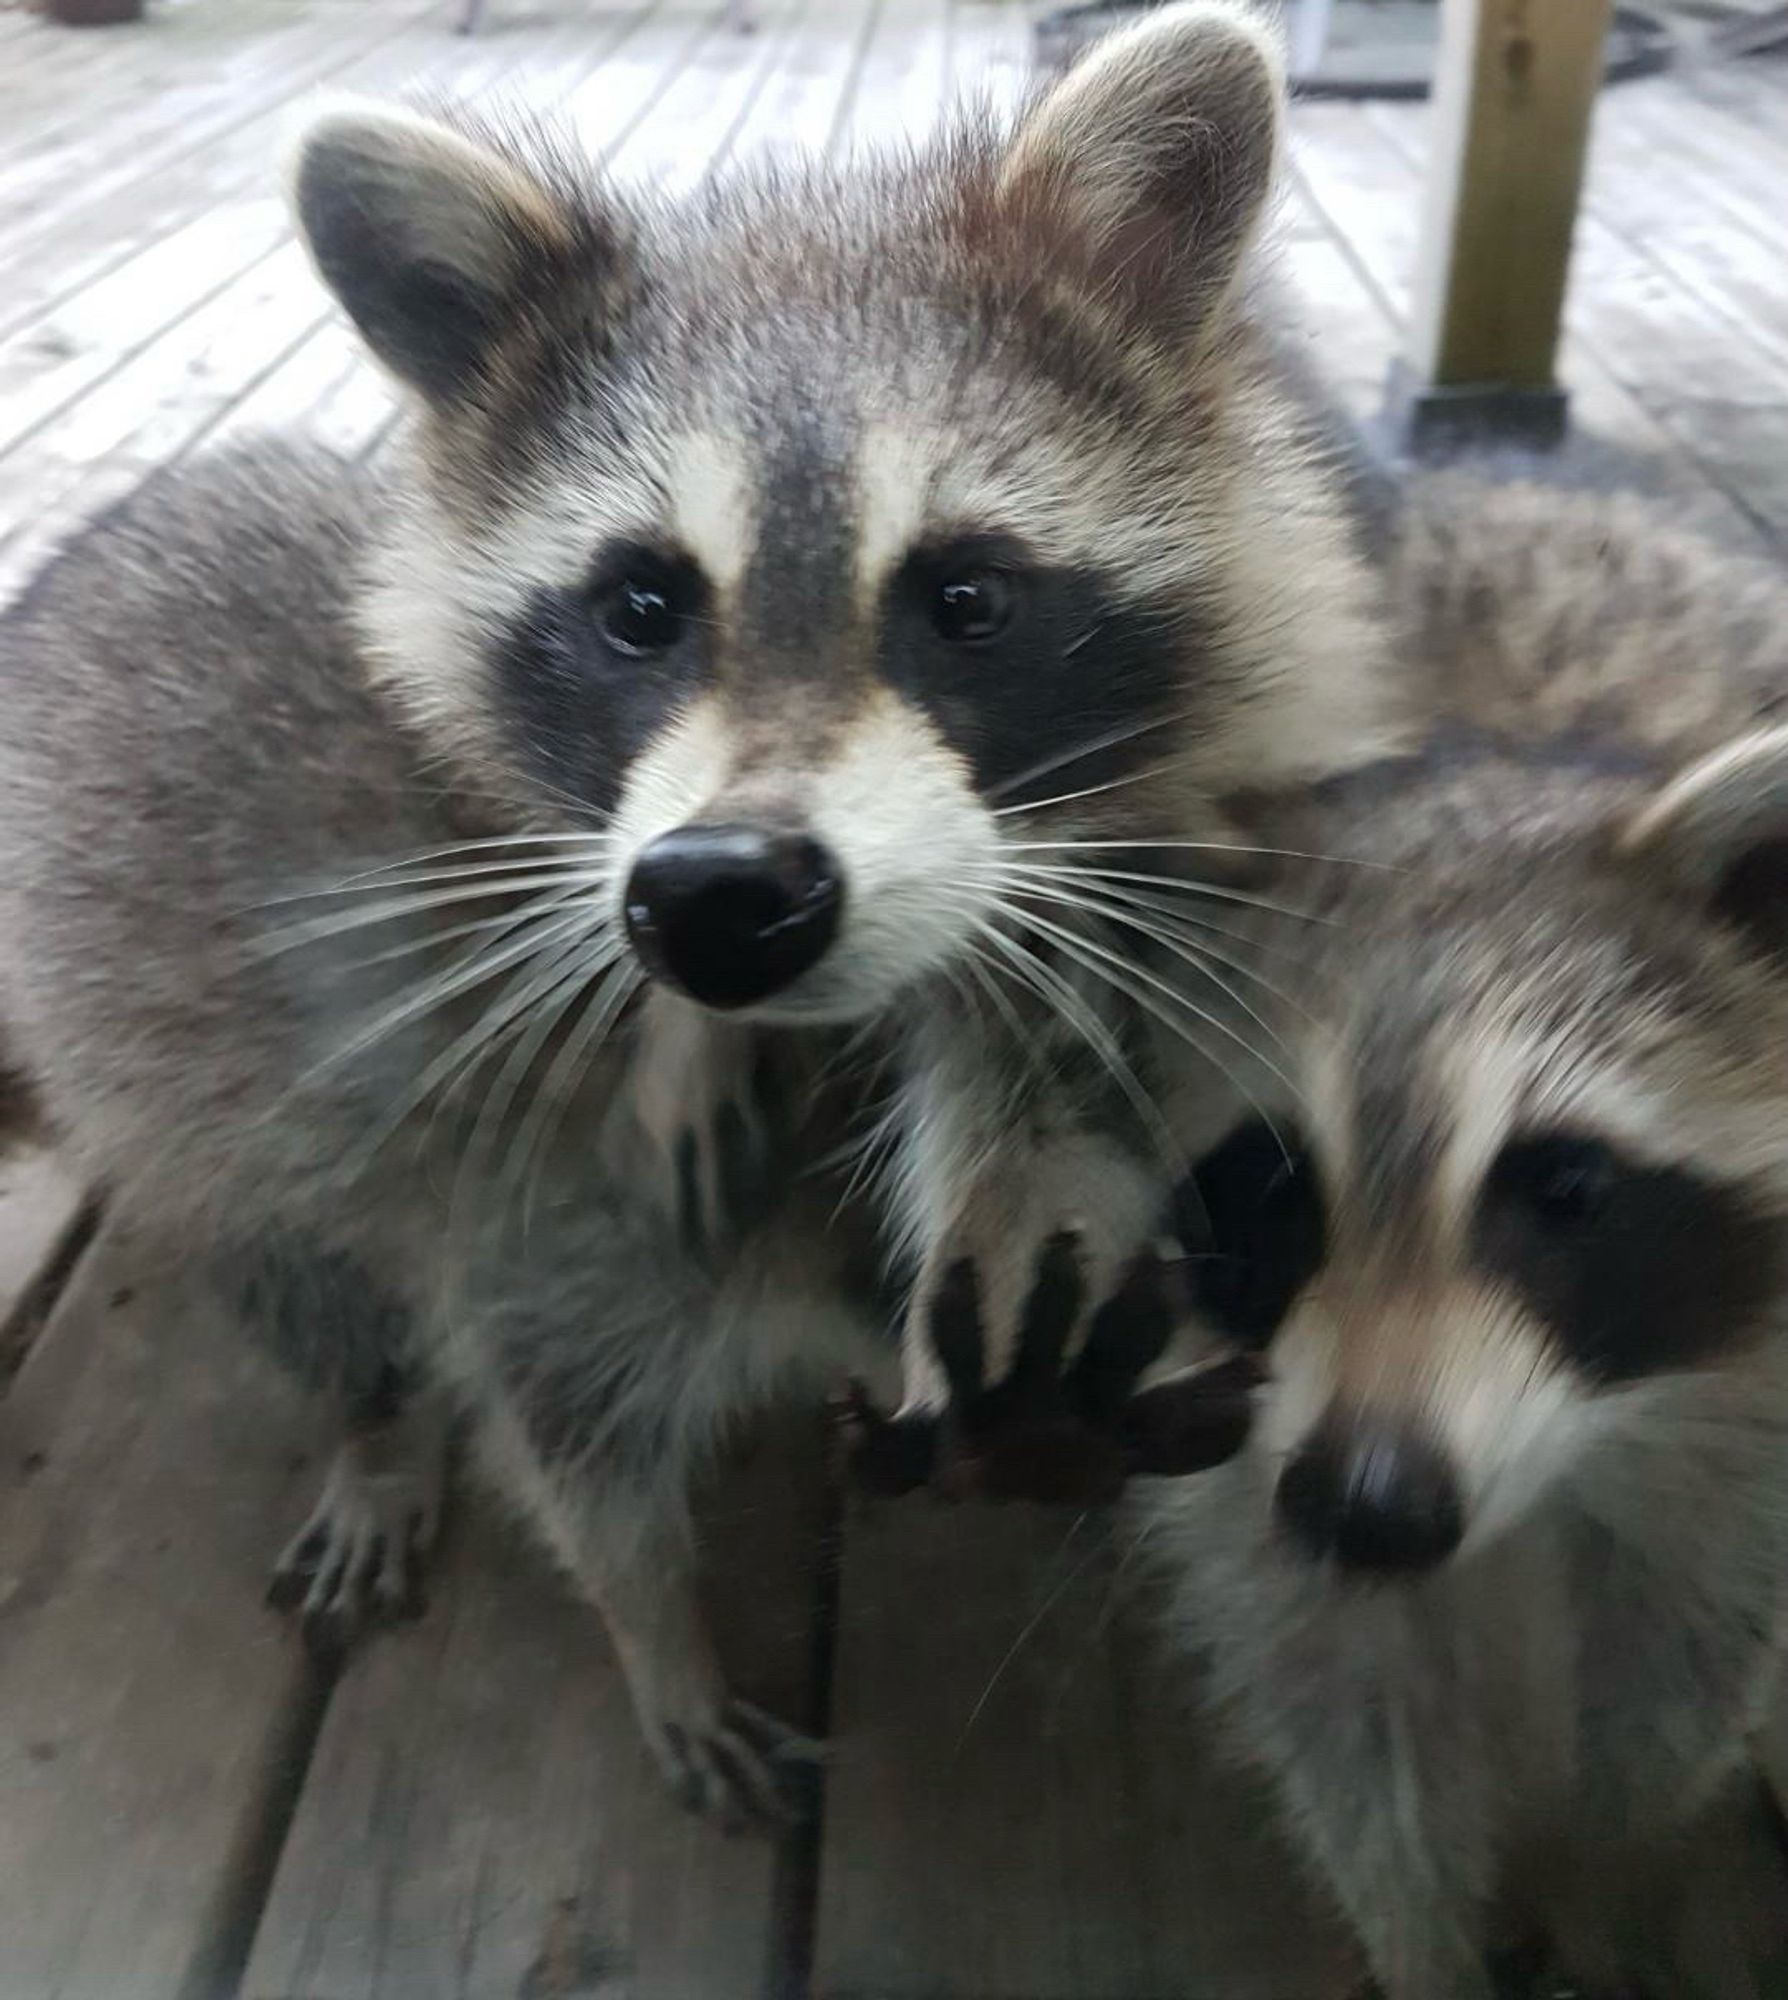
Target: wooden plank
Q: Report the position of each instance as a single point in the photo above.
(1020, 1805)
(991, 51)
(1515, 81)
(149, 1470)
(39, 270)
(154, 408)
(673, 143)
(800, 110)
(170, 397)
(33, 222)
(481, 1818)
(1358, 171)
(899, 91)
(1643, 350)
(56, 355)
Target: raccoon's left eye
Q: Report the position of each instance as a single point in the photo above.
(639, 618)
(973, 606)
(644, 607)
(1563, 1183)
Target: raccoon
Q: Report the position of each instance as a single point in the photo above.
(1493, 1591)
(470, 907)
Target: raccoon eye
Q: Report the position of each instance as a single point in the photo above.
(973, 606)
(638, 617)
(642, 601)
(1564, 1184)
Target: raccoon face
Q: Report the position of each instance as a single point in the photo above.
(794, 540)
(1533, 1203)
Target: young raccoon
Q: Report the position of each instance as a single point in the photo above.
(776, 589)
(1493, 1589)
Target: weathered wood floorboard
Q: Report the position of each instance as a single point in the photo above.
(149, 1468)
(1021, 1805)
(482, 1820)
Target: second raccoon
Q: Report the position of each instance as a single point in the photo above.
(1495, 1589)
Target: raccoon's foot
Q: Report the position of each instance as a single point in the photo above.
(721, 1755)
(1048, 1432)
(730, 1759)
(359, 1559)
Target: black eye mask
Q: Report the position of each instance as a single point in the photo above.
(1250, 1217)
(1633, 1268)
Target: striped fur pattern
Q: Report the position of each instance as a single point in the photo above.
(1515, 1254)
(943, 512)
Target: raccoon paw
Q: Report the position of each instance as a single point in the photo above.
(359, 1560)
(739, 1765)
(1074, 1431)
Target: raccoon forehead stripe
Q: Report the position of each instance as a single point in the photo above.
(713, 503)
(894, 473)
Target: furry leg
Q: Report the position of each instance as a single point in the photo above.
(1404, 1866)
(630, 1551)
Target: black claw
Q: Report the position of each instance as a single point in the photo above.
(1129, 1333)
(1193, 1423)
(956, 1337)
(885, 1455)
(745, 1809)
(1054, 1305)
(287, 1588)
(415, 1593)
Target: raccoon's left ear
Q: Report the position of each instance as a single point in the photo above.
(429, 236)
(1720, 828)
(1152, 161)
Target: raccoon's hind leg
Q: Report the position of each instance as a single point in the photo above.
(359, 1557)
(616, 1517)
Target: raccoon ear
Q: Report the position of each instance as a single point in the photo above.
(1720, 828)
(1155, 156)
(425, 235)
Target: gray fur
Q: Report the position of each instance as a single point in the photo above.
(1551, 1733)
(258, 721)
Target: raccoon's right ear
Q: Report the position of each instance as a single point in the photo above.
(1720, 831)
(1152, 161)
(426, 235)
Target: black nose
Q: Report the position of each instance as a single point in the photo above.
(1372, 1497)
(732, 913)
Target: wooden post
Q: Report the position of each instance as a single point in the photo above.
(1513, 91)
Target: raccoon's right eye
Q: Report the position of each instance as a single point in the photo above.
(974, 606)
(1251, 1220)
(646, 608)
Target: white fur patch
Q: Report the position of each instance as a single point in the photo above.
(675, 780)
(920, 853)
(708, 481)
(895, 470)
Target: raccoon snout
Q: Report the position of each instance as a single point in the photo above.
(730, 913)
(1375, 1498)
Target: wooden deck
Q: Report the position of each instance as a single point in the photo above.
(1020, 1807)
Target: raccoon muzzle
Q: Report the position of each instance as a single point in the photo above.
(730, 913)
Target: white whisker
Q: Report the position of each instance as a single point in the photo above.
(484, 965)
(1090, 748)
(1057, 994)
(315, 929)
(390, 874)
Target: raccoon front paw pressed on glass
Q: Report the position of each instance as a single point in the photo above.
(1045, 1432)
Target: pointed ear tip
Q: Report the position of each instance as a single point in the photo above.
(1200, 30)
(1716, 801)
